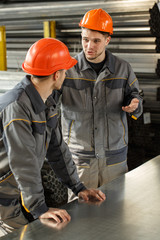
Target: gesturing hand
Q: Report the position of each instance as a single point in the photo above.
(132, 106)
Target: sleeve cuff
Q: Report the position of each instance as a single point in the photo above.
(78, 189)
(39, 211)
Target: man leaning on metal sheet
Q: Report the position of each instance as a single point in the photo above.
(30, 134)
(96, 95)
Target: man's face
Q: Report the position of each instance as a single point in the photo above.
(94, 44)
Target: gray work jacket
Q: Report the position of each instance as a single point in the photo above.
(93, 122)
(29, 134)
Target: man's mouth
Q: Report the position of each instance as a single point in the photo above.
(90, 52)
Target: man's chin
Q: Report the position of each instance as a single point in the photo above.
(90, 58)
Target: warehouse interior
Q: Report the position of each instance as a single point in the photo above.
(135, 39)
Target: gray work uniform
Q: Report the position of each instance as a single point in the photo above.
(93, 123)
(30, 134)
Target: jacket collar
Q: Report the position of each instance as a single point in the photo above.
(110, 61)
(36, 100)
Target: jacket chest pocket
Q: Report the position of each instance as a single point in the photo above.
(39, 132)
(80, 100)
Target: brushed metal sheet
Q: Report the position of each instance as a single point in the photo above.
(131, 211)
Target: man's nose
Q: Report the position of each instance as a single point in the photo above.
(90, 44)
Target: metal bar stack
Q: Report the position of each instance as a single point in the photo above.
(158, 68)
(157, 44)
(24, 25)
(56, 194)
(154, 23)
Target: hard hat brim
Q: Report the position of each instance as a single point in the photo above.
(47, 72)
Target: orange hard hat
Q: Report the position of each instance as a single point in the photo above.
(97, 19)
(47, 56)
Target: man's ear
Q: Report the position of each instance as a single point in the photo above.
(56, 75)
(108, 40)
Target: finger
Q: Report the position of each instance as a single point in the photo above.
(67, 216)
(64, 215)
(61, 225)
(96, 194)
(126, 109)
(83, 196)
(55, 217)
(98, 197)
(135, 100)
(133, 105)
(102, 195)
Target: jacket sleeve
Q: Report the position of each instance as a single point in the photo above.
(132, 91)
(23, 162)
(60, 159)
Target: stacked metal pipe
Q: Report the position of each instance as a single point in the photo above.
(158, 68)
(154, 23)
(56, 194)
(24, 25)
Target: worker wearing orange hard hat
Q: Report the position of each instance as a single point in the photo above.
(30, 134)
(97, 94)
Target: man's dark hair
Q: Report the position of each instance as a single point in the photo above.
(35, 76)
(106, 34)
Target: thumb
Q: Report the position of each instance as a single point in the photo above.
(83, 196)
(135, 100)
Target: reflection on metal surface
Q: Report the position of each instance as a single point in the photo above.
(23, 232)
(52, 224)
(131, 211)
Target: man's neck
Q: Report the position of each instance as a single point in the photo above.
(44, 87)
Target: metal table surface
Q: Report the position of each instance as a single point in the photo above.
(131, 211)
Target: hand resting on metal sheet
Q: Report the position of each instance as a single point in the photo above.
(53, 224)
(92, 194)
(59, 215)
